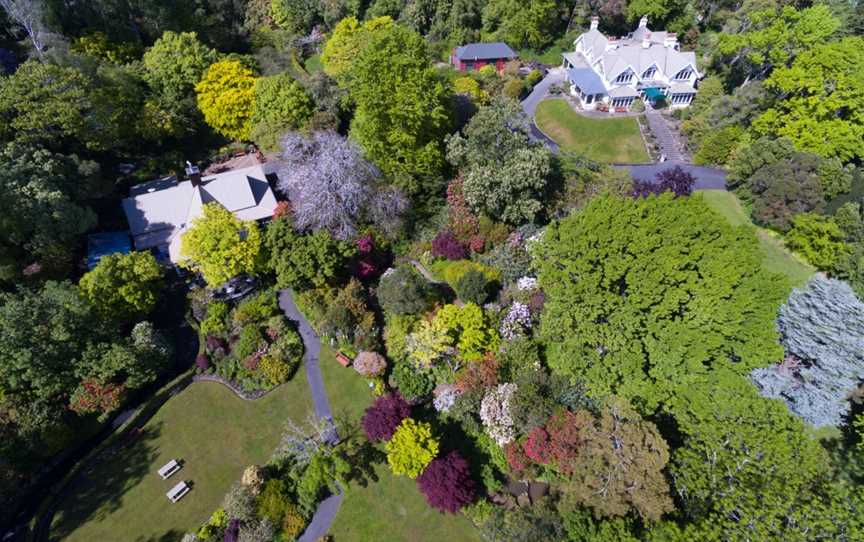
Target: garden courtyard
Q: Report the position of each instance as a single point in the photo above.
(215, 433)
(612, 140)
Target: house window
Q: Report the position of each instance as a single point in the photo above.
(682, 98)
(684, 74)
(649, 73)
(625, 77)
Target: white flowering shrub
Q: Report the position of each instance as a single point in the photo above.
(517, 321)
(526, 283)
(495, 412)
(445, 400)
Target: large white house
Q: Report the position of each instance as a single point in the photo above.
(611, 73)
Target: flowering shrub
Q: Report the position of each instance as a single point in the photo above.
(251, 361)
(478, 376)
(447, 484)
(411, 448)
(282, 208)
(496, 415)
(253, 479)
(92, 396)
(370, 364)
(537, 446)
(292, 523)
(477, 243)
(526, 283)
(445, 398)
(462, 222)
(383, 417)
(446, 245)
(232, 531)
(276, 370)
(214, 343)
(516, 458)
(566, 436)
(516, 322)
(202, 362)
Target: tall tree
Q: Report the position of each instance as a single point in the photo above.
(123, 286)
(281, 105)
(644, 296)
(176, 62)
(226, 97)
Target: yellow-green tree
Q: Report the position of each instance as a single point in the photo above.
(123, 286)
(226, 97)
(411, 448)
(220, 246)
(348, 38)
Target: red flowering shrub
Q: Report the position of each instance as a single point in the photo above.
(478, 376)
(383, 417)
(565, 431)
(477, 243)
(365, 244)
(537, 445)
(282, 208)
(447, 484)
(92, 396)
(202, 362)
(516, 458)
(445, 245)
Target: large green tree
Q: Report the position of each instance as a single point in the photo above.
(401, 104)
(39, 189)
(281, 105)
(123, 286)
(226, 97)
(821, 106)
(220, 246)
(646, 296)
(523, 24)
(304, 260)
(176, 62)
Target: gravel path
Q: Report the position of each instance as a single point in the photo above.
(529, 104)
(326, 513)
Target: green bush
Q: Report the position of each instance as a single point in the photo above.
(395, 333)
(473, 287)
(214, 322)
(249, 341)
(514, 89)
(412, 383)
(534, 77)
(274, 500)
(256, 309)
(452, 271)
(818, 239)
(403, 291)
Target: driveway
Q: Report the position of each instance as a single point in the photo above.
(529, 104)
(707, 178)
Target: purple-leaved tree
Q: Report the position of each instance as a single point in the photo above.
(332, 187)
(447, 484)
(674, 180)
(382, 418)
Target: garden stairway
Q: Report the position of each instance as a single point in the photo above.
(667, 139)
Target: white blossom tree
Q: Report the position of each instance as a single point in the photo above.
(332, 187)
(28, 15)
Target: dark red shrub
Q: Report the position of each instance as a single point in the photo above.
(214, 343)
(282, 208)
(516, 458)
(202, 362)
(565, 431)
(537, 445)
(477, 243)
(478, 376)
(445, 245)
(365, 244)
(383, 417)
(447, 484)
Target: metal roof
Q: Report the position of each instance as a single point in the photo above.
(587, 80)
(485, 51)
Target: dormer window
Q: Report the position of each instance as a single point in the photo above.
(684, 74)
(649, 73)
(625, 77)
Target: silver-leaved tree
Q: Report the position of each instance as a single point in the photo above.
(822, 330)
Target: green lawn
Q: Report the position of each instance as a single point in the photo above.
(313, 64)
(391, 508)
(213, 431)
(776, 257)
(613, 140)
(551, 56)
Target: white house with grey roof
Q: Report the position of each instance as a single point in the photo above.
(611, 73)
(159, 212)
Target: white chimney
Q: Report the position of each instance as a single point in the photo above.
(595, 22)
(643, 22)
(193, 173)
(670, 41)
(646, 40)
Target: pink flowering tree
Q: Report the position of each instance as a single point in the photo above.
(447, 484)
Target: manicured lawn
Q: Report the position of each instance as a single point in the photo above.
(551, 56)
(776, 257)
(613, 140)
(215, 433)
(392, 507)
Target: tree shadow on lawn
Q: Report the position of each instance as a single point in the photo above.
(98, 490)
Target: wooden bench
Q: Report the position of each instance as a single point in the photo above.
(168, 469)
(343, 360)
(178, 492)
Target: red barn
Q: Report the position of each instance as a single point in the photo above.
(474, 56)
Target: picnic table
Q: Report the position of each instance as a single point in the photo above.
(168, 469)
(178, 491)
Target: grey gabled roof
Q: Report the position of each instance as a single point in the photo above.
(587, 80)
(484, 51)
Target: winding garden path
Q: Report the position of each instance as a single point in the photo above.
(326, 513)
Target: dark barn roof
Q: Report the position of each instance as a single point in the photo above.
(485, 51)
